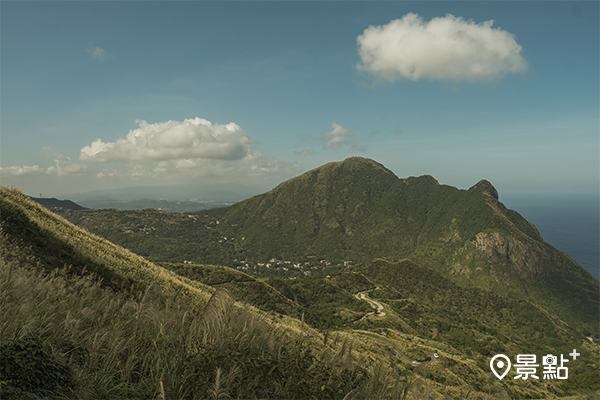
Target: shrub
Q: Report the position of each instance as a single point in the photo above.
(28, 366)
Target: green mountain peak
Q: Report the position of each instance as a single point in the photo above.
(358, 210)
(485, 187)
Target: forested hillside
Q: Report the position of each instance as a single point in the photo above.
(350, 212)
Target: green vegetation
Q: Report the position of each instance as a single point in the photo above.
(29, 366)
(66, 333)
(67, 336)
(357, 210)
(324, 303)
(470, 325)
(55, 243)
(470, 319)
(242, 287)
(284, 322)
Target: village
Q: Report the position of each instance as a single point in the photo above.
(285, 269)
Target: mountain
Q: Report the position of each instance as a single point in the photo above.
(56, 203)
(358, 210)
(85, 318)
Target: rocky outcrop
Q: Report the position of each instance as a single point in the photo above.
(497, 249)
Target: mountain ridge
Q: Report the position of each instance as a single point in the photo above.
(358, 210)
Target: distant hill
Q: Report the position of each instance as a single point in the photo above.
(163, 205)
(53, 203)
(358, 210)
(206, 192)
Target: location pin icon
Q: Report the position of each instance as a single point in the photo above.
(500, 364)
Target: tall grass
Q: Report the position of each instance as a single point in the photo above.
(153, 345)
(156, 346)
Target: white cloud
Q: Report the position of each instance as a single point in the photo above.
(97, 52)
(63, 166)
(173, 140)
(185, 152)
(180, 150)
(22, 170)
(445, 48)
(337, 137)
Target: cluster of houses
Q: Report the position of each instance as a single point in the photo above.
(290, 267)
(145, 230)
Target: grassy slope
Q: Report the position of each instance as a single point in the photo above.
(56, 243)
(66, 336)
(241, 286)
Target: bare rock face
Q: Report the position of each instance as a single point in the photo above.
(497, 249)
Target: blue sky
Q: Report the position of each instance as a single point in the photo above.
(102, 95)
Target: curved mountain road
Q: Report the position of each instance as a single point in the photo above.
(380, 313)
(373, 303)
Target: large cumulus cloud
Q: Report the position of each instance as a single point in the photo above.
(173, 140)
(445, 48)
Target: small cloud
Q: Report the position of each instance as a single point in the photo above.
(22, 170)
(63, 166)
(337, 137)
(97, 52)
(445, 48)
(398, 130)
(374, 132)
(305, 152)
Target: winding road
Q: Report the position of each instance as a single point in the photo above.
(380, 313)
(373, 303)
